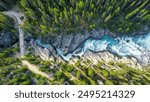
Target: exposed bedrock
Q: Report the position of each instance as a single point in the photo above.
(97, 46)
(70, 42)
(106, 57)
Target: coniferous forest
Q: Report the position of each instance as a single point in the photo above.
(52, 18)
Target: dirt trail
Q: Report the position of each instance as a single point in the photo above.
(35, 69)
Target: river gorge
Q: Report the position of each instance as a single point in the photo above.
(137, 46)
(125, 46)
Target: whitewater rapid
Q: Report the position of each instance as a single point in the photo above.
(126, 46)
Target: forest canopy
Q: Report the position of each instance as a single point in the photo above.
(69, 16)
(6, 23)
(7, 4)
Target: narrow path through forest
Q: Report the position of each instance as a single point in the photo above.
(35, 69)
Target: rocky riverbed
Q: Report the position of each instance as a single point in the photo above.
(97, 46)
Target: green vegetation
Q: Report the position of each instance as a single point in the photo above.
(85, 73)
(12, 72)
(8, 33)
(6, 23)
(7, 4)
(69, 16)
(81, 73)
(52, 17)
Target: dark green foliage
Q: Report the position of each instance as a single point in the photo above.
(67, 67)
(90, 72)
(10, 2)
(58, 16)
(85, 73)
(7, 4)
(78, 74)
(12, 72)
(60, 77)
(108, 82)
(32, 59)
(6, 23)
(8, 33)
(105, 73)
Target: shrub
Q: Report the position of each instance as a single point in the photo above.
(108, 82)
(78, 74)
(105, 73)
(90, 72)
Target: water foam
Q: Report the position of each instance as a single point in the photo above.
(135, 46)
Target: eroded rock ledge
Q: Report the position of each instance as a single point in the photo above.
(105, 57)
(69, 43)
